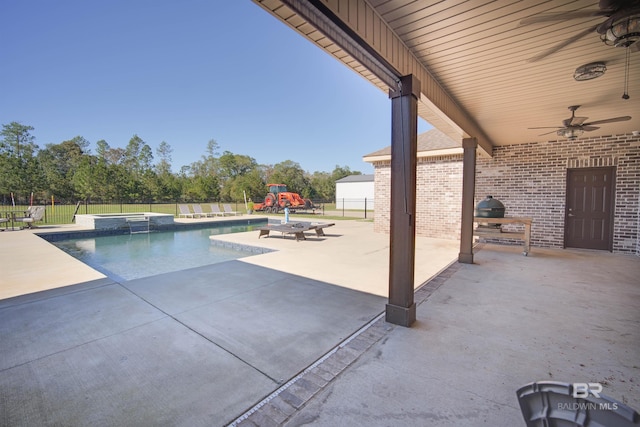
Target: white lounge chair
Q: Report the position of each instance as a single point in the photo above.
(215, 210)
(185, 212)
(228, 210)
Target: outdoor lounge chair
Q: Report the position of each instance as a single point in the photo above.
(198, 212)
(32, 215)
(228, 210)
(215, 210)
(4, 221)
(185, 212)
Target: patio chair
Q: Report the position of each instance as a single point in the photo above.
(4, 221)
(185, 212)
(551, 403)
(215, 210)
(32, 215)
(197, 210)
(228, 210)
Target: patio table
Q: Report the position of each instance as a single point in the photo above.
(497, 233)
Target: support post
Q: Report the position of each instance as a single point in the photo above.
(401, 309)
(468, 192)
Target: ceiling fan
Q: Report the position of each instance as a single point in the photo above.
(574, 126)
(620, 29)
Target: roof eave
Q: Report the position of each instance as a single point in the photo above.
(421, 154)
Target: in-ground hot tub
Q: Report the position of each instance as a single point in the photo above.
(123, 220)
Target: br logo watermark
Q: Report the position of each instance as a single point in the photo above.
(583, 391)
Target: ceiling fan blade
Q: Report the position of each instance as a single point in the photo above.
(576, 121)
(589, 128)
(563, 44)
(547, 127)
(613, 120)
(561, 16)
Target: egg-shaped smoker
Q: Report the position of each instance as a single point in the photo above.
(490, 208)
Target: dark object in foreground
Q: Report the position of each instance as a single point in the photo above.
(557, 404)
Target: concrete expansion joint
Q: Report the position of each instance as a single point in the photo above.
(292, 396)
(283, 403)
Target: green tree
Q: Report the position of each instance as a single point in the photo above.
(138, 183)
(164, 151)
(91, 179)
(168, 186)
(201, 188)
(250, 184)
(59, 162)
(19, 169)
(236, 171)
(323, 186)
(291, 174)
(138, 156)
(234, 165)
(17, 140)
(340, 172)
(102, 147)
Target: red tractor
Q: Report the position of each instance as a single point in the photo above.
(279, 198)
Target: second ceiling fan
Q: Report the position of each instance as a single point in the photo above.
(574, 126)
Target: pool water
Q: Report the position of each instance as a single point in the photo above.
(133, 256)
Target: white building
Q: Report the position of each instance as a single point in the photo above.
(355, 192)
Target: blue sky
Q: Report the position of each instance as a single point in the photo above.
(185, 72)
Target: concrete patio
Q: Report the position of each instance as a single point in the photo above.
(296, 337)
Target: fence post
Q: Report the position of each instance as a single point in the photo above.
(343, 206)
(365, 208)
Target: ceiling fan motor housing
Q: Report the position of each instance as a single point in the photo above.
(623, 33)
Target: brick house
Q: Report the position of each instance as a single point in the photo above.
(530, 179)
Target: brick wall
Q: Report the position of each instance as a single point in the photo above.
(438, 194)
(530, 179)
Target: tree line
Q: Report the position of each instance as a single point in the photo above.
(69, 172)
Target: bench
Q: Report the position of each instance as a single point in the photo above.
(295, 228)
(498, 233)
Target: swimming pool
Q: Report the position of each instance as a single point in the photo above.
(133, 256)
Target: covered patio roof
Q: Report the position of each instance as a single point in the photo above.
(484, 73)
(477, 62)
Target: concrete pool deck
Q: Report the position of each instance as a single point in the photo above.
(204, 346)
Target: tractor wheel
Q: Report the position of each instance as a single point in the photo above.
(270, 200)
(308, 204)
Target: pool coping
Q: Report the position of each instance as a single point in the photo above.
(58, 235)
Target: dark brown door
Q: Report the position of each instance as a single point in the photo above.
(589, 211)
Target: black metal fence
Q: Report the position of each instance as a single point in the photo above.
(58, 213)
(64, 213)
(352, 207)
